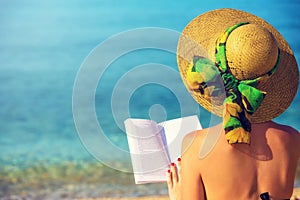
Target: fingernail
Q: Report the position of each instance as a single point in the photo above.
(179, 159)
(169, 171)
(173, 164)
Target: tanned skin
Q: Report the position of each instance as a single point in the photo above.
(237, 171)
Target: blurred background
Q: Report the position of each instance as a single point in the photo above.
(44, 43)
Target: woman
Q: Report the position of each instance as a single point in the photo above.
(239, 67)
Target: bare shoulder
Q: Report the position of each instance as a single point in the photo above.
(288, 134)
(285, 130)
(193, 139)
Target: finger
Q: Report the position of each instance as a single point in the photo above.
(169, 179)
(179, 168)
(174, 174)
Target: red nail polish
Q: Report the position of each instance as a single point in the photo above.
(173, 164)
(179, 159)
(169, 171)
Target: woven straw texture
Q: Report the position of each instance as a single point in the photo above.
(251, 52)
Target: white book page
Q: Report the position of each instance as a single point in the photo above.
(154, 146)
(147, 150)
(175, 130)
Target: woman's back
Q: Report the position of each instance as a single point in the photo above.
(239, 67)
(242, 171)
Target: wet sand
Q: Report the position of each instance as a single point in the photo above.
(133, 198)
(137, 198)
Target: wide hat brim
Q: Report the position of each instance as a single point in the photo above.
(199, 38)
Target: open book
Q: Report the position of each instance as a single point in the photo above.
(153, 146)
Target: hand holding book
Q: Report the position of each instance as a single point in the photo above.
(154, 146)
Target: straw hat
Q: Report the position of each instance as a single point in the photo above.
(251, 51)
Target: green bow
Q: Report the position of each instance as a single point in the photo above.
(242, 97)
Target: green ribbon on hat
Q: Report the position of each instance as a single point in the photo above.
(242, 96)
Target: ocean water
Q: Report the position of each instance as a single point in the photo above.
(46, 46)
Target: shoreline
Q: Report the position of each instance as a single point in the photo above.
(81, 180)
(132, 198)
(60, 196)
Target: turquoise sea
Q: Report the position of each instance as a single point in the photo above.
(50, 147)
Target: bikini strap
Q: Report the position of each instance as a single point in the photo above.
(264, 196)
